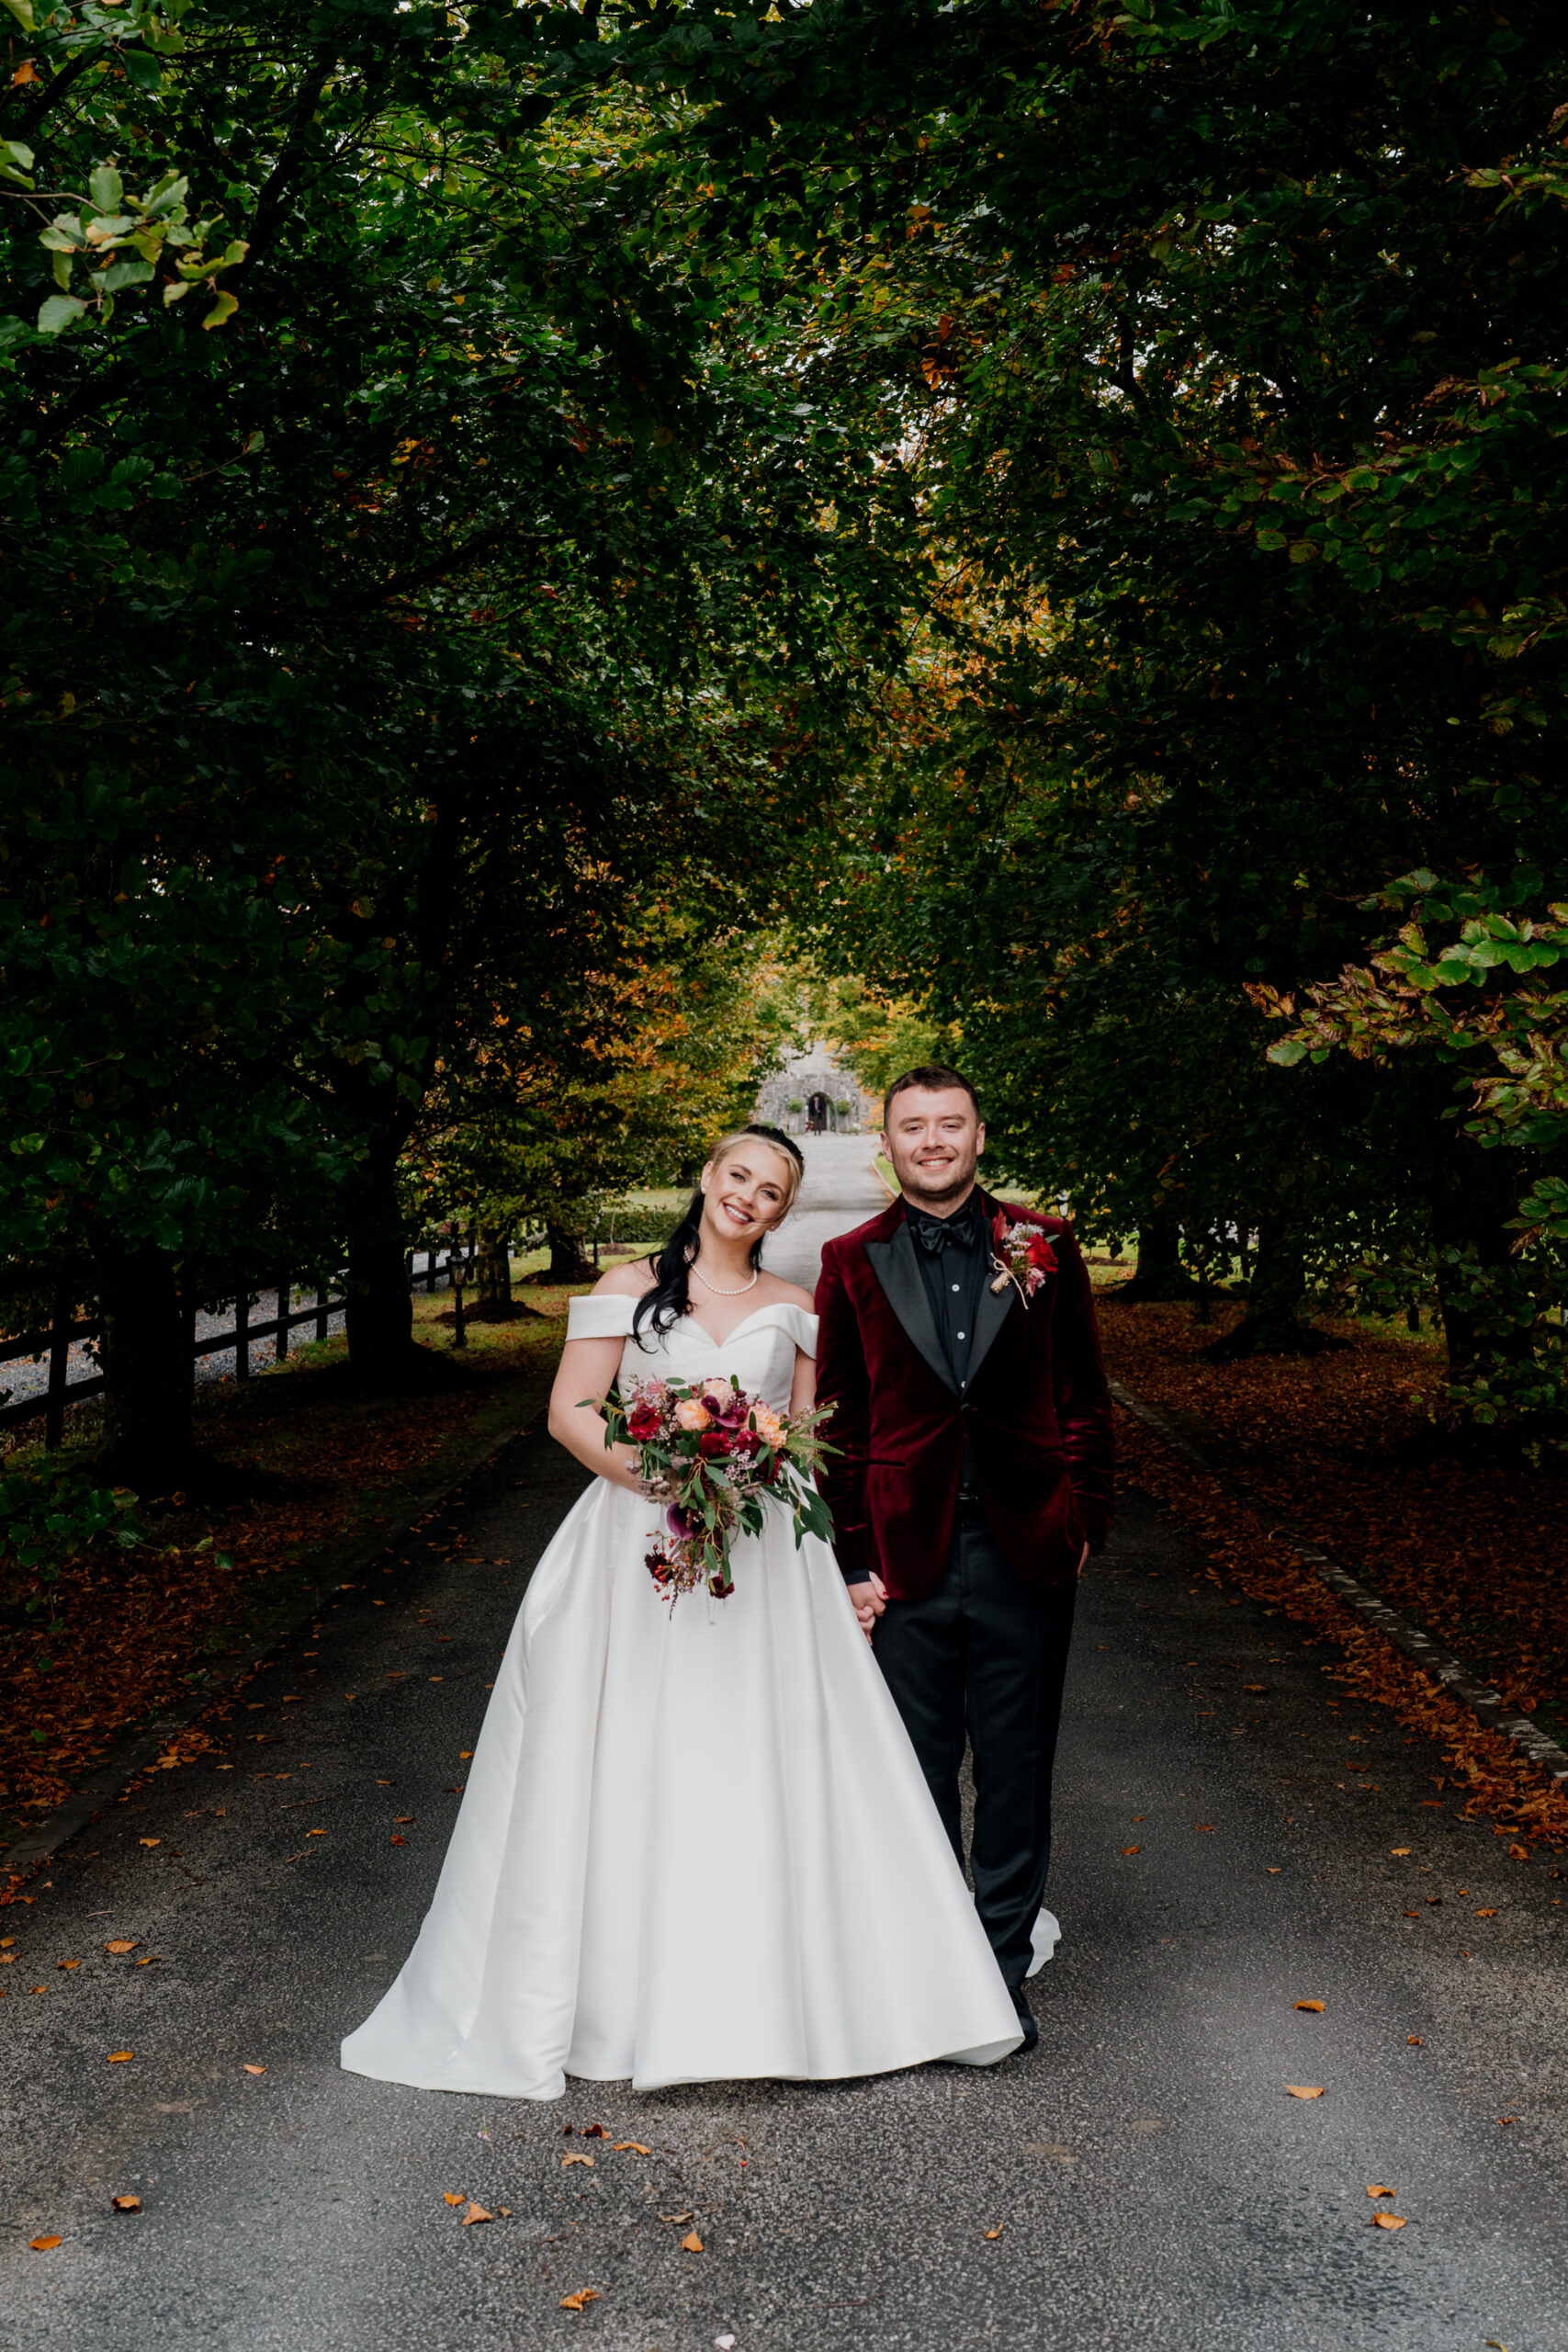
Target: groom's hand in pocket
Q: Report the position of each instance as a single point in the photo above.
(870, 1600)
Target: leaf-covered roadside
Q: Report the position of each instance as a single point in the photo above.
(125, 1633)
(1471, 1552)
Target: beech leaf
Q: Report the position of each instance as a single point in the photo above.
(691, 2243)
(123, 1943)
(1132, 1849)
(1304, 2090)
(996, 2233)
(119, 2057)
(43, 2245)
(633, 2147)
(1388, 2220)
(253, 2070)
(456, 2195)
(1376, 2189)
(476, 2213)
(581, 2301)
(1316, 2007)
(126, 2204)
(577, 2160)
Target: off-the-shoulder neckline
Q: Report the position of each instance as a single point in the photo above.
(773, 1307)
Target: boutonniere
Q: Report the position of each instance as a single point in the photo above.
(1022, 1254)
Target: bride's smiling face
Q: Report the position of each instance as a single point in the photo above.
(745, 1195)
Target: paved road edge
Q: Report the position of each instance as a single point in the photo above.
(1485, 1704)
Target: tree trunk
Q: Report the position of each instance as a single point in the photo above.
(149, 1441)
(1274, 1324)
(1159, 1272)
(379, 1312)
(1474, 1195)
(568, 1261)
(494, 1267)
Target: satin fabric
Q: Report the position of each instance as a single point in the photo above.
(693, 1846)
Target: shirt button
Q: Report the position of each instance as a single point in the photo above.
(961, 1335)
(955, 1285)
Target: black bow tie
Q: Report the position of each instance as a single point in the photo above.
(939, 1233)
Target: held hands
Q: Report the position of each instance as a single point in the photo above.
(870, 1600)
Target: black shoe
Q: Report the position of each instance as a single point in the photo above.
(1025, 2017)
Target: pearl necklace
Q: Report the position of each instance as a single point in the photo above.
(720, 1292)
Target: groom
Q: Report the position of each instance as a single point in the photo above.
(972, 1479)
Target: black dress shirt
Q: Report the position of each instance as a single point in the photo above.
(953, 1262)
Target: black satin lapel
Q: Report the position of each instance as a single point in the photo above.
(898, 1270)
(992, 1313)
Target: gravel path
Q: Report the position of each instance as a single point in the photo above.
(1153, 2182)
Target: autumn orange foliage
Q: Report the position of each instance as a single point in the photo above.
(1473, 1553)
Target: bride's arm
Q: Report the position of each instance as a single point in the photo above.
(588, 1369)
(803, 1389)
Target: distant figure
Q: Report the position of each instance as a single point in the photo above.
(817, 1115)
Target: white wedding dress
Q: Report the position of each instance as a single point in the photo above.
(693, 1846)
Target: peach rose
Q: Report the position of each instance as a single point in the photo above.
(691, 1413)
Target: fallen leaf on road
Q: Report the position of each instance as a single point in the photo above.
(1509, 2119)
(576, 2160)
(691, 2243)
(123, 1943)
(1414, 2042)
(436, 1678)
(476, 2213)
(403, 1819)
(1518, 1853)
(398, 1841)
(1316, 2007)
(253, 2070)
(1388, 2220)
(996, 2233)
(1399, 1849)
(1204, 1825)
(1486, 1914)
(1137, 1818)
(1412, 1915)
(1132, 1849)
(119, 2057)
(315, 1833)
(1304, 2090)
(633, 2147)
(594, 2132)
(149, 1841)
(149, 1958)
(456, 2196)
(68, 1963)
(126, 2204)
(35, 1988)
(579, 2302)
(674, 2217)
(6, 1942)
(1376, 2189)
(464, 1754)
(1275, 1869)
(43, 2245)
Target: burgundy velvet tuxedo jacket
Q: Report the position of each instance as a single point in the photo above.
(1037, 1413)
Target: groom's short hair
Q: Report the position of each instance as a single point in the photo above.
(932, 1078)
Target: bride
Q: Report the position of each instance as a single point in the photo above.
(695, 1843)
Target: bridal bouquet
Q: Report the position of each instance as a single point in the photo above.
(715, 1457)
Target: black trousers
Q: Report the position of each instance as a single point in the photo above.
(984, 1656)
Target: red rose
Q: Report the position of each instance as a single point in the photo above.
(1041, 1254)
(642, 1424)
(715, 1444)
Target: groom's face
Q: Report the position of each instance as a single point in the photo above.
(934, 1141)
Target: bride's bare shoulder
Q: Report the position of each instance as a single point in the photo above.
(624, 1282)
(782, 1294)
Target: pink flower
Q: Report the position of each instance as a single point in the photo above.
(691, 1413)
